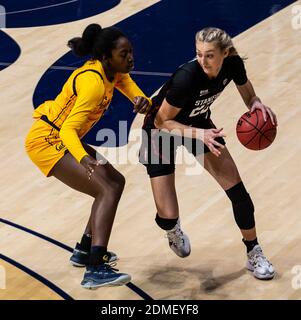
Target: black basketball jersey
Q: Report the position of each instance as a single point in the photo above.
(190, 89)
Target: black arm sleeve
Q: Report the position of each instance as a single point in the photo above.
(239, 73)
(178, 92)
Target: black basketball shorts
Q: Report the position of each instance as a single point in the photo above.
(158, 148)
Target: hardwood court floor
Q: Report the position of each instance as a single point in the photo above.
(215, 269)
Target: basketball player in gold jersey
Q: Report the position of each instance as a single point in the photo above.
(54, 141)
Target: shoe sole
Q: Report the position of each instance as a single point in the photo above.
(76, 264)
(117, 282)
(178, 254)
(181, 256)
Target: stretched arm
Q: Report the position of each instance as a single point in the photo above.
(253, 102)
(129, 88)
(165, 120)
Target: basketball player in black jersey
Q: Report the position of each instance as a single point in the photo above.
(182, 117)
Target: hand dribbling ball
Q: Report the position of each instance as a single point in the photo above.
(255, 133)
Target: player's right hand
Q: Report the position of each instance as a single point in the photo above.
(89, 164)
(209, 140)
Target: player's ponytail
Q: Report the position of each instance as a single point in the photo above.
(219, 36)
(83, 46)
(95, 41)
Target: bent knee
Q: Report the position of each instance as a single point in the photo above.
(118, 183)
(111, 186)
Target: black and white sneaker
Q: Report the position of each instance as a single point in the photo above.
(260, 266)
(178, 241)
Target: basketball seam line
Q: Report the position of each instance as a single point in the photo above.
(258, 130)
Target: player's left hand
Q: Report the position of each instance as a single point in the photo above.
(141, 105)
(266, 111)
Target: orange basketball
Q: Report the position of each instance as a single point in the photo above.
(255, 133)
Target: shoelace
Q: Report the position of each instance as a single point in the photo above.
(259, 259)
(111, 265)
(107, 268)
(176, 236)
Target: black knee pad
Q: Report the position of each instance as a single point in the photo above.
(244, 213)
(242, 205)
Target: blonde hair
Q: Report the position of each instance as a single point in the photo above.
(221, 37)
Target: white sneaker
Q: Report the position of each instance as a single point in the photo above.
(178, 241)
(259, 264)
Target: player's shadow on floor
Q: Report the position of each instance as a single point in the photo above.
(213, 283)
(187, 280)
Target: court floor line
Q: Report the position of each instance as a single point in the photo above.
(65, 68)
(142, 73)
(130, 285)
(37, 276)
(41, 8)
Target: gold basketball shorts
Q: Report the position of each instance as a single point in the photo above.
(44, 146)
